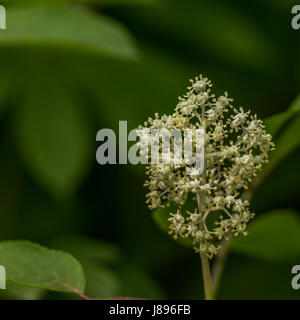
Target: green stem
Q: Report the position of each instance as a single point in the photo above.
(208, 288)
(219, 264)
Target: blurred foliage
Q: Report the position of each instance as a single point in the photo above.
(72, 67)
(275, 122)
(33, 265)
(278, 231)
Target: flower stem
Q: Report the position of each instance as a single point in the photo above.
(208, 288)
(219, 264)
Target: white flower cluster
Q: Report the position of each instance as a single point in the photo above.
(236, 145)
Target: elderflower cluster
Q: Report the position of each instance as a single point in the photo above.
(236, 145)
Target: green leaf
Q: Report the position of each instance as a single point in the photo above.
(275, 122)
(66, 28)
(281, 188)
(296, 104)
(288, 141)
(62, 2)
(93, 255)
(5, 84)
(20, 292)
(10, 189)
(52, 134)
(160, 216)
(30, 264)
(274, 236)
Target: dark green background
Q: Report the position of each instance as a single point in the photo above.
(54, 97)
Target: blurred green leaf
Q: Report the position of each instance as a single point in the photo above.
(275, 122)
(281, 188)
(20, 292)
(228, 33)
(32, 3)
(101, 281)
(52, 134)
(273, 236)
(288, 141)
(67, 28)
(213, 29)
(161, 216)
(30, 264)
(3, 94)
(98, 250)
(116, 2)
(8, 91)
(10, 188)
(296, 104)
(63, 2)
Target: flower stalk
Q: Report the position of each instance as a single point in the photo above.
(219, 265)
(207, 281)
(235, 144)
